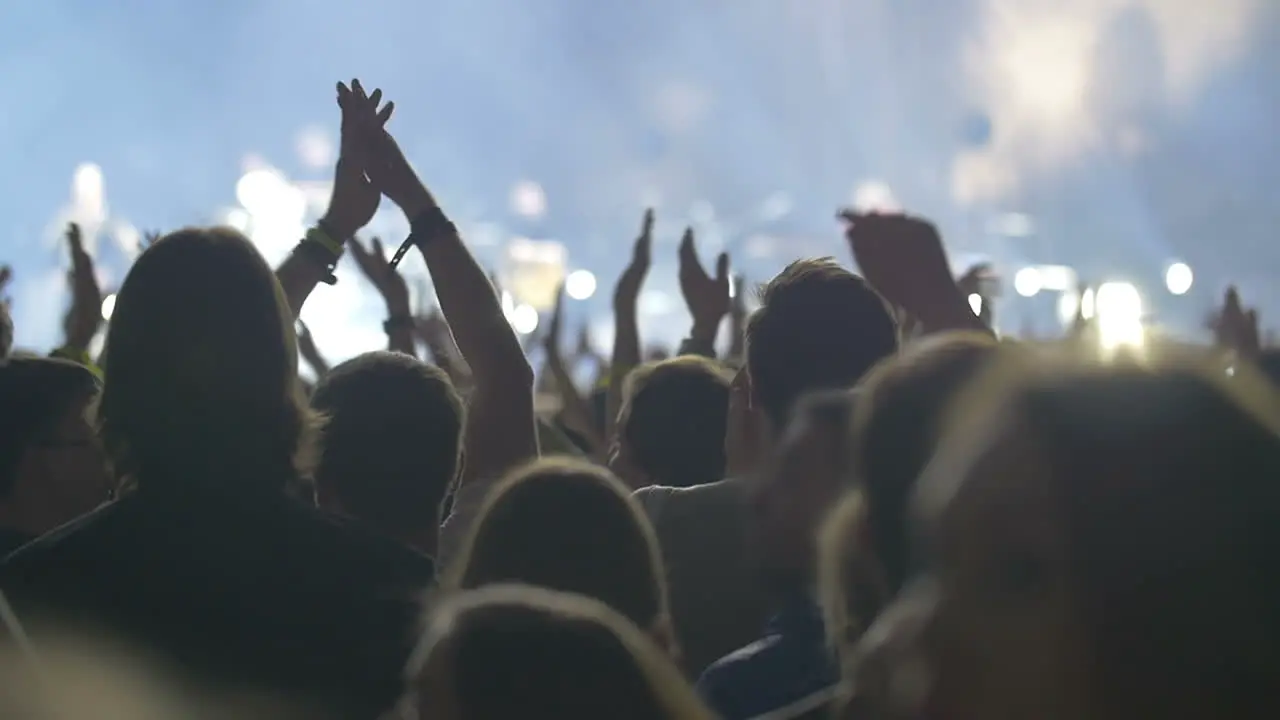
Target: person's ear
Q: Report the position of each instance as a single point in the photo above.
(664, 634)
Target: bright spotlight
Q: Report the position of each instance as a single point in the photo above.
(975, 303)
(1119, 309)
(528, 199)
(1087, 304)
(108, 306)
(1027, 282)
(580, 284)
(258, 191)
(1178, 278)
(524, 319)
(237, 218)
(874, 196)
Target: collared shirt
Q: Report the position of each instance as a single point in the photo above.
(789, 673)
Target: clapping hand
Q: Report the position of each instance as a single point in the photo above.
(627, 291)
(904, 260)
(85, 314)
(708, 298)
(385, 165)
(354, 199)
(374, 265)
(1235, 326)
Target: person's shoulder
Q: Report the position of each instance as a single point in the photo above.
(65, 538)
(368, 549)
(693, 493)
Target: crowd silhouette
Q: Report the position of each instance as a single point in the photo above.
(868, 505)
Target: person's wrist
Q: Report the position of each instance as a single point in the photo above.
(416, 203)
(337, 230)
(705, 328)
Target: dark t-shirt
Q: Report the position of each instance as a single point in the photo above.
(11, 540)
(252, 593)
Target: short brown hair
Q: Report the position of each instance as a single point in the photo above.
(900, 416)
(819, 326)
(567, 525)
(392, 439)
(200, 370)
(674, 418)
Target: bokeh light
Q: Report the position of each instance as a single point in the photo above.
(874, 196)
(1119, 311)
(1178, 278)
(1027, 282)
(524, 319)
(580, 284)
(108, 306)
(528, 199)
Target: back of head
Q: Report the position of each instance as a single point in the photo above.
(392, 438)
(819, 326)
(568, 525)
(35, 395)
(200, 376)
(508, 652)
(899, 417)
(1166, 479)
(673, 421)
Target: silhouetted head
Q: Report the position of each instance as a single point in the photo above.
(392, 440)
(200, 385)
(569, 525)
(508, 651)
(819, 327)
(672, 423)
(1095, 542)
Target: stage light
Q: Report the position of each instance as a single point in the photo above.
(1178, 278)
(580, 284)
(1119, 309)
(524, 319)
(1027, 282)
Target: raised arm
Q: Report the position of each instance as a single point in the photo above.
(903, 259)
(706, 297)
(500, 430)
(575, 411)
(399, 324)
(351, 206)
(626, 330)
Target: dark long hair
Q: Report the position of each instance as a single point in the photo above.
(200, 370)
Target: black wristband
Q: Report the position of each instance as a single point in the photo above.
(424, 226)
(397, 322)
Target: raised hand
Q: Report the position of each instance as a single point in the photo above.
(354, 199)
(6, 276)
(1236, 327)
(903, 259)
(307, 348)
(972, 282)
(385, 164)
(149, 238)
(738, 320)
(84, 317)
(627, 292)
(707, 297)
(551, 338)
(374, 265)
